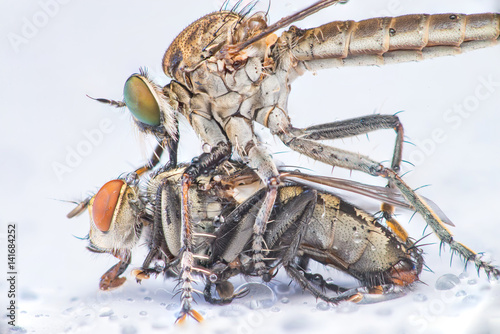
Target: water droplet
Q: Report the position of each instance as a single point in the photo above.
(471, 282)
(356, 238)
(143, 313)
(461, 293)
(463, 275)
(447, 282)
(373, 248)
(322, 306)
(258, 296)
(471, 300)
(148, 299)
(285, 300)
(212, 278)
(419, 297)
(275, 309)
(131, 300)
(105, 312)
(206, 148)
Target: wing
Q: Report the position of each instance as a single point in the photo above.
(384, 194)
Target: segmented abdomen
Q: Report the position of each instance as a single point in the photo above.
(408, 37)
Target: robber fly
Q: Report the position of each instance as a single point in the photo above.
(309, 222)
(229, 69)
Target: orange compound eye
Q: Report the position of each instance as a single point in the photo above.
(105, 203)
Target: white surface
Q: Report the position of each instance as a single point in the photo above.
(91, 48)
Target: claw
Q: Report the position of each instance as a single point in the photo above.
(139, 275)
(192, 313)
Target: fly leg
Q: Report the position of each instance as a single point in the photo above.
(220, 151)
(303, 281)
(204, 162)
(163, 136)
(357, 126)
(316, 284)
(171, 145)
(277, 121)
(318, 280)
(437, 225)
(110, 279)
(226, 293)
(363, 125)
(279, 124)
(285, 234)
(239, 131)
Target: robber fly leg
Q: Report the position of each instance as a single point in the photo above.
(110, 279)
(358, 126)
(354, 127)
(437, 225)
(239, 131)
(305, 141)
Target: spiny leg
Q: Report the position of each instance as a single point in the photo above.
(239, 130)
(317, 279)
(204, 162)
(315, 283)
(304, 141)
(304, 282)
(280, 125)
(437, 225)
(287, 230)
(357, 126)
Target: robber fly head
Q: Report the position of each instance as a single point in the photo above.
(152, 109)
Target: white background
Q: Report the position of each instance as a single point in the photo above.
(91, 48)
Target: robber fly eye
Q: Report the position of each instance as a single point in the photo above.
(142, 100)
(105, 203)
